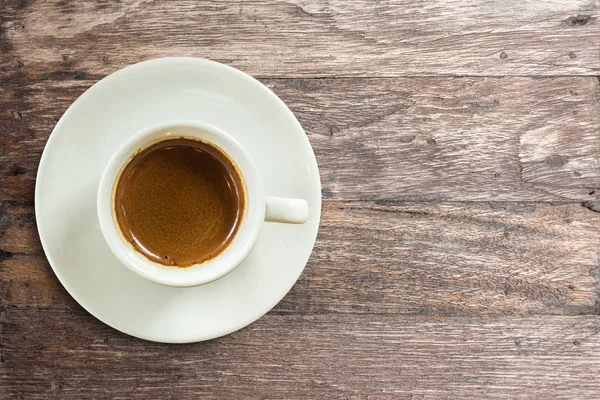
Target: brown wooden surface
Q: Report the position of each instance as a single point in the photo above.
(459, 248)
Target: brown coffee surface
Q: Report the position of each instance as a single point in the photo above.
(179, 202)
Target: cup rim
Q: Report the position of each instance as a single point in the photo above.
(245, 237)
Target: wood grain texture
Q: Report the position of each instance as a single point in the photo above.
(70, 355)
(291, 38)
(458, 253)
(442, 259)
(415, 139)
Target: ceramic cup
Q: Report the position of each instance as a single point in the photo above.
(259, 207)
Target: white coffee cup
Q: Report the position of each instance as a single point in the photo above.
(259, 207)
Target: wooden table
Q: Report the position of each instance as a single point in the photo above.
(458, 254)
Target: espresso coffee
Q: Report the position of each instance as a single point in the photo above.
(179, 202)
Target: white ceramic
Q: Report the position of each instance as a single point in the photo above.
(91, 131)
(258, 206)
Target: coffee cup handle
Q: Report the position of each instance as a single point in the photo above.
(285, 210)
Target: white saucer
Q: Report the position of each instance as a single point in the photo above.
(87, 135)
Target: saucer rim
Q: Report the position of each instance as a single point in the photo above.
(48, 149)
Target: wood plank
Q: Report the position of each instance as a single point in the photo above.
(293, 38)
(452, 259)
(442, 259)
(414, 139)
(70, 355)
(509, 139)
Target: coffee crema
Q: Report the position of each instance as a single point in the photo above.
(179, 202)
